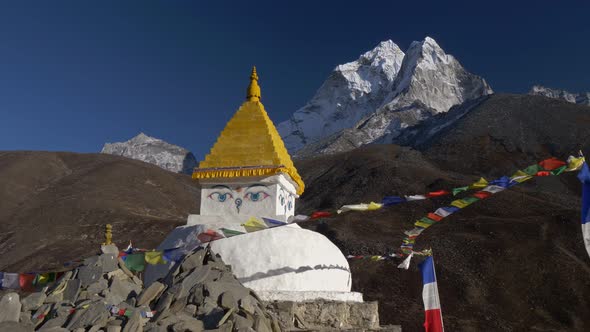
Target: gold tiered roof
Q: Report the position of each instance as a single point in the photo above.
(249, 145)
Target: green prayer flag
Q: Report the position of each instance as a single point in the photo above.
(230, 232)
(458, 190)
(427, 220)
(559, 170)
(533, 169)
(470, 200)
(135, 262)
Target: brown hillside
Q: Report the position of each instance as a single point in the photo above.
(53, 205)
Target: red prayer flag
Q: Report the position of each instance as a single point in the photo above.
(543, 173)
(25, 281)
(434, 217)
(320, 214)
(482, 194)
(551, 164)
(209, 235)
(437, 193)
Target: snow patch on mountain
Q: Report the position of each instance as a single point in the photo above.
(575, 98)
(154, 151)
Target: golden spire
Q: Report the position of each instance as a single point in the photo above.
(253, 89)
(249, 145)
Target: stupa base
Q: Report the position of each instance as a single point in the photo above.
(304, 296)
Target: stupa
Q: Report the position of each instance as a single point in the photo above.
(248, 175)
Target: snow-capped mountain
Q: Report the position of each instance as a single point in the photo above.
(349, 111)
(154, 151)
(352, 91)
(576, 98)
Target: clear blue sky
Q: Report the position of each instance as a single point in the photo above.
(76, 74)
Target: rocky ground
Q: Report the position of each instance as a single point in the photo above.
(199, 294)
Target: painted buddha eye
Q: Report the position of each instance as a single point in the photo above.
(256, 196)
(220, 197)
(282, 200)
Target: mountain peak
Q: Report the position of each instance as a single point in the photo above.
(422, 82)
(154, 151)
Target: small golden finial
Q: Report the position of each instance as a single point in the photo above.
(108, 235)
(253, 89)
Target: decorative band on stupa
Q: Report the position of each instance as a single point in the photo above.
(249, 145)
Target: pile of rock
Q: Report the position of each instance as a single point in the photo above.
(199, 294)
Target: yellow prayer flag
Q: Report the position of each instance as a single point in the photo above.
(154, 257)
(479, 184)
(422, 224)
(253, 225)
(520, 176)
(574, 164)
(459, 203)
(374, 206)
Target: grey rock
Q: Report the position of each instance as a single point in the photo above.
(134, 323)
(240, 322)
(192, 261)
(95, 328)
(153, 327)
(98, 286)
(72, 290)
(55, 297)
(227, 301)
(113, 328)
(124, 268)
(25, 318)
(10, 326)
(60, 315)
(178, 305)
(41, 314)
(132, 301)
(248, 304)
(137, 281)
(164, 304)
(227, 327)
(54, 323)
(215, 289)
(33, 301)
(92, 261)
(53, 329)
(95, 314)
(121, 290)
(10, 308)
(191, 309)
(109, 262)
(214, 275)
(89, 274)
(197, 276)
(196, 295)
(261, 324)
(109, 249)
(192, 325)
(212, 318)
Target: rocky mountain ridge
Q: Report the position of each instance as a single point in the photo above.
(154, 151)
(353, 108)
(575, 98)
